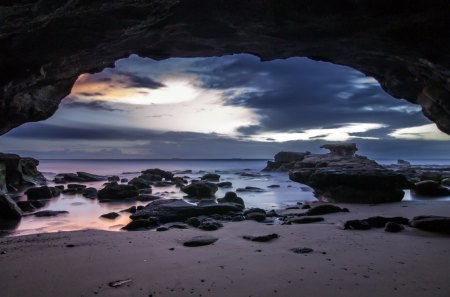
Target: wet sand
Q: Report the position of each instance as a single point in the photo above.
(343, 263)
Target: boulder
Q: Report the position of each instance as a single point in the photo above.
(90, 193)
(78, 177)
(140, 183)
(211, 177)
(9, 209)
(31, 205)
(430, 188)
(43, 192)
(350, 185)
(200, 189)
(256, 216)
(231, 197)
(438, 224)
(114, 191)
(156, 171)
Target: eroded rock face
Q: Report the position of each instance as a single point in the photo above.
(17, 172)
(403, 44)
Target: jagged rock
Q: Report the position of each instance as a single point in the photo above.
(430, 188)
(341, 149)
(110, 215)
(117, 192)
(50, 213)
(200, 189)
(172, 210)
(43, 192)
(231, 197)
(156, 171)
(284, 161)
(211, 177)
(17, 172)
(200, 241)
(9, 209)
(436, 224)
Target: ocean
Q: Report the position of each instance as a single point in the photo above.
(85, 213)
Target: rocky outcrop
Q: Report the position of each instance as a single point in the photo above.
(403, 44)
(78, 177)
(17, 172)
(436, 224)
(113, 191)
(430, 188)
(200, 190)
(341, 176)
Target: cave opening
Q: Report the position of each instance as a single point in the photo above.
(231, 106)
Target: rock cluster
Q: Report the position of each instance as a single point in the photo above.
(342, 176)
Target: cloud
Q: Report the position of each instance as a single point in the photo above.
(424, 132)
(72, 102)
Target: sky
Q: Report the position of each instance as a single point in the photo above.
(226, 107)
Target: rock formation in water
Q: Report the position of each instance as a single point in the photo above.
(17, 172)
(342, 176)
(45, 45)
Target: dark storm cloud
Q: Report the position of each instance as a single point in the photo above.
(124, 79)
(72, 102)
(298, 94)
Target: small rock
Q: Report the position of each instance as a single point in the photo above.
(256, 216)
(306, 220)
(200, 241)
(357, 225)
(119, 283)
(110, 215)
(273, 186)
(211, 177)
(393, 227)
(49, 213)
(262, 238)
(301, 250)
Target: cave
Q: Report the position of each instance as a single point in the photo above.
(46, 45)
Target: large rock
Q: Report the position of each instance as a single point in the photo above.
(172, 210)
(17, 172)
(79, 177)
(9, 209)
(353, 185)
(437, 224)
(200, 189)
(43, 192)
(231, 197)
(114, 191)
(430, 188)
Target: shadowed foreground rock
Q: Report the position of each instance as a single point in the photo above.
(9, 209)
